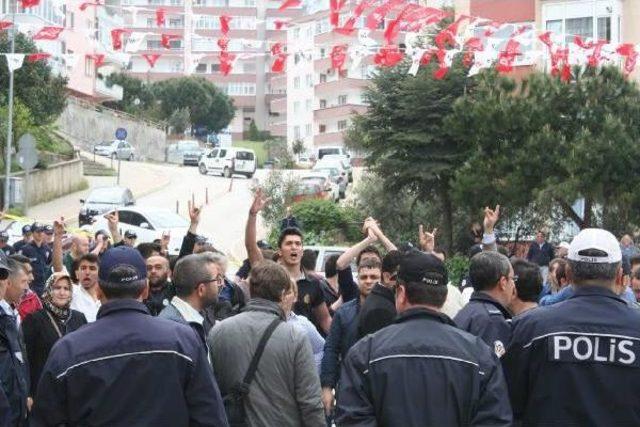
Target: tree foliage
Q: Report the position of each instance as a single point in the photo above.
(180, 120)
(42, 93)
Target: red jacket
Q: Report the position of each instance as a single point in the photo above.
(30, 303)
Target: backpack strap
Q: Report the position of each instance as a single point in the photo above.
(253, 366)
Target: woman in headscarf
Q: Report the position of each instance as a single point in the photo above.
(43, 328)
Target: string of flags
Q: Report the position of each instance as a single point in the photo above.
(482, 43)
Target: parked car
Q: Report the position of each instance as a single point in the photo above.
(328, 150)
(328, 189)
(102, 200)
(150, 224)
(229, 161)
(343, 161)
(115, 149)
(324, 252)
(187, 152)
(304, 162)
(337, 175)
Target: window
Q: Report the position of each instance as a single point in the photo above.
(223, 153)
(296, 82)
(249, 67)
(296, 33)
(323, 78)
(322, 128)
(244, 155)
(307, 104)
(604, 28)
(296, 132)
(342, 99)
(582, 27)
(309, 80)
(215, 68)
(201, 68)
(151, 22)
(72, 20)
(296, 107)
(555, 26)
(176, 23)
(323, 52)
(323, 103)
(88, 67)
(342, 124)
(307, 129)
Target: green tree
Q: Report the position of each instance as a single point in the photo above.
(137, 96)
(298, 147)
(404, 135)
(34, 85)
(546, 143)
(208, 106)
(254, 133)
(180, 120)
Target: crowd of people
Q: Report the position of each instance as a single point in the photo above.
(96, 330)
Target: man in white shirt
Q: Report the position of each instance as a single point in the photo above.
(85, 292)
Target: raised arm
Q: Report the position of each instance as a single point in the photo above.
(113, 219)
(388, 244)
(56, 257)
(489, 238)
(189, 240)
(427, 239)
(347, 256)
(250, 235)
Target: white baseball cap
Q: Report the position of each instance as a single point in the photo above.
(598, 240)
(564, 245)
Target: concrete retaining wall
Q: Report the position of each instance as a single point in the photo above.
(54, 181)
(88, 125)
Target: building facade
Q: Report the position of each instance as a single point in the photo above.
(195, 50)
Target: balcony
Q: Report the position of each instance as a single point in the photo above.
(102, 91)
(338, 112)
(219, 10)
(278, 129)
(279, 105)
(341, 86)
(278, 82)
(244, 100)
(270, 97)
(332, 38)
(329, 138)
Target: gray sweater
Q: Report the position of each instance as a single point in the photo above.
(286, 388)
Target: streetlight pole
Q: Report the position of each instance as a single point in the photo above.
(7, 157)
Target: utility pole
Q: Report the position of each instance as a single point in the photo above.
(7, 158)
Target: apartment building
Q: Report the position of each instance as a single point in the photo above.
(86, 33)
(195, 50)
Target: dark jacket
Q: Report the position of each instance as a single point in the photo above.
(170, 312)
(403, 376)
(378, 311)
(486, 318)
(150, 371)
(5, 410)
(231, 301)
(40, 336)
(13, 370)
(40, 259)
(342, 336)
(348, 287)
(158, 300)
(540, 255)
(188, 242)
(576, 363)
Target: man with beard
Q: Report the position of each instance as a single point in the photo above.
(85, 292)
(161, 291)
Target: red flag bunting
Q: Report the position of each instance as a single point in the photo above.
(338, 57)
(276, 49)
(334, 13)
(279, 63)
(508, 56)
(48, 33)
(165, 40)
(98, 58)
(628, 50)
(35, 57)
(226, 62)
(160, 17)
(4, 25)
(116, 37)
(29, 3)
(388, 56)
(286, 4)
(440, 73)
(85, 5)
(224, 24)
(376, 17)
(151, 58)
(223, 43)
(279, 24)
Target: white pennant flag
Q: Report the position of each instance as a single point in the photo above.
(415, 61)
(364, 39)
(358, 53)
(14, 61)
(195, 60)
(134, 41)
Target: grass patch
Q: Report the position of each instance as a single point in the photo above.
(259, 147)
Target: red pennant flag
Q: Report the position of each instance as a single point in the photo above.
(440, 73)
(338, 57)
(565, 75)
(279, 24)
(276, 49)
(628, 51)
(224, 24)
(376, 17)
(546, 39)
(35, 57)
(413, 17)
(388, 56)
(98, 58)
(223, 43)
(4, 25)
(226, 62)
(165, 40)
(116, 37)
(508, 56)
(151, 58)
(286, 4)
(448, 35)
(594, 58)
(474, 44)
(279, 63)
(29, 3)
(48, 33)
(85, 5)
(578, 40)
(160, 17)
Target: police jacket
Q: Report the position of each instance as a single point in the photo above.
(342, 335)
(40, 258)
(486, 318)
(576, 362)
(13, 370)
(402, 376)
(128, 369)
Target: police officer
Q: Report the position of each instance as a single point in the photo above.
(404, 376)
(39, 254)
(578, 363)
(4, 244)
(486, 315)
(26, 238)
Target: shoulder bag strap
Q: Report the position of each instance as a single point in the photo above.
(253, 367)
(53, 322)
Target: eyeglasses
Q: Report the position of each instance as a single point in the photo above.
(219, 280)
(514, 278)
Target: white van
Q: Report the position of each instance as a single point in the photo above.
(229, 161)
(331, 150)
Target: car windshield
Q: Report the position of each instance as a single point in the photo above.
(326, 151)
(165, 219)
(105, 143)
(331, 171)
(189, 145)
(105, 195)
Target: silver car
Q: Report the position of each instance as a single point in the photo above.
(115, 149)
